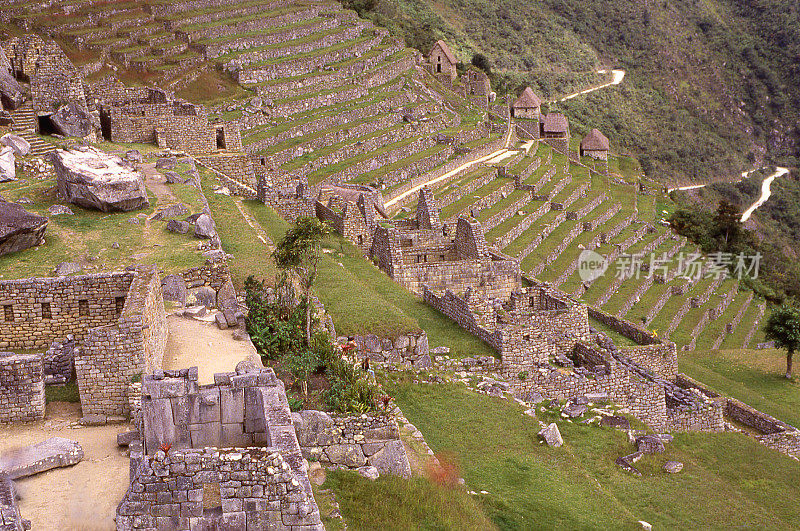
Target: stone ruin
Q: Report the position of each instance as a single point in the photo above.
(21, 387)
(223, 455)
(418, 252)
(117, 321)
(351, 210)
(150, 115)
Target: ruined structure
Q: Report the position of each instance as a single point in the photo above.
(21, 387)
(351, 210)
(150, 115)
(417, 252)
(526, 111)
(223, 455)
(477, 88)
(595, 145)
(117, 320)
(441, 62)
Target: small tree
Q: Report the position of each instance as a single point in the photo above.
(783, 327)
(298, 252)
(301, 364)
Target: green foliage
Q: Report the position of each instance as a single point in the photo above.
(783, 327)
(523, 375)
(351, 389)
(296, 403)
(277, 333)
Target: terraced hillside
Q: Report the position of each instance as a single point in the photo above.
(319, 92)
(544, 209)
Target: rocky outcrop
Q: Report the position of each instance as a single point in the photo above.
(93, 179)
(19, 229)
(19, 145)
(10, 91)
(8, 165)
(72, 120)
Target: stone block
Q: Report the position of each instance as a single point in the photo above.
(392, 459)
(349, 455)
(53, 453)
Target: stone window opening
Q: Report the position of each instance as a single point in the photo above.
(83, 307)
(439, 64)
(119, 304)
(212, 500)
(441, 257)
(220, 138)
(263, 161)
(8, 313)
(46, 311)
(361, 239)
(526, 337)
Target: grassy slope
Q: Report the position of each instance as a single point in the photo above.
(396, 503)
(532, 486)
(357, 294)
(752, 376)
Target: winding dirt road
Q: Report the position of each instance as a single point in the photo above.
(619, 75)
(765, 192)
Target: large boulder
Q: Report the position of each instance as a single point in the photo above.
(29, 460)
(19, 145)
(314, 428)
(8, 165)
(19, 229)
(204, 227)
(551, 435)
(174, 288)
(392, 459)
(72, 120)
(93, 179)
(10, 91)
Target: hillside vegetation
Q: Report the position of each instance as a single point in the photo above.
(711, 86)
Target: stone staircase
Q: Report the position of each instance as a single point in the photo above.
(24, 124)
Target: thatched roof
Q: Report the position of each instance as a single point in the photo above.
(595, 141)
(446, 50)
(555, 122)
(527, 100)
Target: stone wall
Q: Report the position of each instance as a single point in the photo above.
(214, 274)
(627, 328)
(661, 358)
(238, 488)
(407, 350)
(352, 441)
(115, 354)
(45, 309)
(10, 518)
(21, 387)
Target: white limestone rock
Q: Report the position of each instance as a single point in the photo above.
(93, 179)
(551, 435)
(20, 146)
(8, 167)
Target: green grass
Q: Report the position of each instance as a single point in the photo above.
(752, 376)
(359, 297)
(62, 393)
(578, 486)
(395, 503)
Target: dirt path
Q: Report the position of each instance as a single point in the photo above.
(765, 192)
(202, 344)
(619, 75)
(466, 165)
(82, 497)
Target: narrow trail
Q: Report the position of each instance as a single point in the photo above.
(765, 192)
(619, 75)
(495, 156)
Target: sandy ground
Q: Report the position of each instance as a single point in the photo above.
(199, 343)
(81, 497)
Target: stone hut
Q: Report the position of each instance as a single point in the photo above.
(595, 145)
(351, 210)
(527, 106)
(441, 61)
(555, 131)
(417, 253)
(19, 229)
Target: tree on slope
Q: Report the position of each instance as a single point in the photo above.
(298, 252)
(783, 327)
